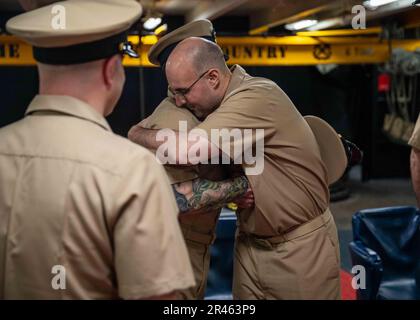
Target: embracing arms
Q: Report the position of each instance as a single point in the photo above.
(149, 139)
(200, 195)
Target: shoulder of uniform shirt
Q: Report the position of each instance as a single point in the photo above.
(138, 162)
(255, 85)
(168, 109)
(108, 151)
(182, 112)
(125, 146)
(165, 105)
(124, 156)
(168, 105)
(10, 130)
(259, 82)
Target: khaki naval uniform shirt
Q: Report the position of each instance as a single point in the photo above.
(198, 229)
(292, 189)
(415, 138)
(168, 115)
(73, 194)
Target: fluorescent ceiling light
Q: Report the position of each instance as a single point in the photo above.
(152, 22)
(299, 25)
(373, 4)
(325, 24)
(416, 3)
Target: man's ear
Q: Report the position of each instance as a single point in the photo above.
(214, 78)
(109, 69)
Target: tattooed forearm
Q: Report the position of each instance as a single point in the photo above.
(207, 195)
(213, 194)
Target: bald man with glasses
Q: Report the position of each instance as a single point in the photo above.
(200, 190)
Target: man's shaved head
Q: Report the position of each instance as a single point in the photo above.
(199, 54)
(197, 66)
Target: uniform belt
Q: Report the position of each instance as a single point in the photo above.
(199, 237)
(303, 229)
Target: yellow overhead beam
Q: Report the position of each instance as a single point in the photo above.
(286, 40)
(15, 52)
(146, 40)
(253, 51)
(326, 53)
(340, 32)
(293, 40)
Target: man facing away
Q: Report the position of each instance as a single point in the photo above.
(84, 214)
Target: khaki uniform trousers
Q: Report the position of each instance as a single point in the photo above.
(301, 264)
(198, 246)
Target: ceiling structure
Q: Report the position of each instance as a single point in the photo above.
(263, 15)
(260, 35)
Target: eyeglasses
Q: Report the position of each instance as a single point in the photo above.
(184, 91)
